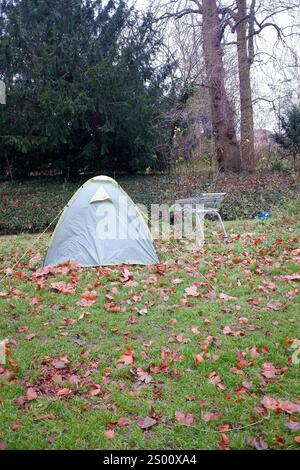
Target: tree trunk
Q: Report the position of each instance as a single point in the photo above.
(227, 149)
(244, 63)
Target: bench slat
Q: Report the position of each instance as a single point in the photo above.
(208, 200)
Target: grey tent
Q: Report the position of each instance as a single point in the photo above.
(101, 225)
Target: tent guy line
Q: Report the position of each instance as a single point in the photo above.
(32, 245)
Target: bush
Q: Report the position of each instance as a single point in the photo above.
(32, 205)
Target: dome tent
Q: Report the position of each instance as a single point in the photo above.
(101, 225)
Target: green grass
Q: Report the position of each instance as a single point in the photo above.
(29, 206)
(258, 253)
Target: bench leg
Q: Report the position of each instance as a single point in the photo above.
(201, 227)
(223, 227)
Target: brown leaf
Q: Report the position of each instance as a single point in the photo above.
(35, 259)
(191, 291)
(31, 394)
(3, 445)
(229, 331)
(187, 419)
(198, 358)
(123, 422)
(269, 370)
(63, 287)
(275, 306)
(254, 352)
(16, 425)
(177, 281)
(195, 329)
(127, 357)
(62, 392)
(191, 397)
(146, 423)
(279, 441)
(223, 427)
(59, 364)
(292, 426)
(280, 405)
(226, 297)
(210, 416)
(109, 434)
(224, 442)
(46, 416)
(20, 401)
(30, 336)
(257, 443)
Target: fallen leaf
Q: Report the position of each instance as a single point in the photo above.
(16, 425)
(224, 442)
(45, 417)
(146, 423)
(292, 426)
(109, 434)
(187, 419)
(177, 281)
(31, 394)
(123, 422)
(226, 297)
(269, 370)
(63, 287)
(229, 331)
(191, 291)
(62, 392)
(127, 358)
(30, 336)
(198, 358)
(210, 416)
(223, 427)
(257, 443)
(280, 405)
(195, 329)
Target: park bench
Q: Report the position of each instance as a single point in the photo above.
(202, 205)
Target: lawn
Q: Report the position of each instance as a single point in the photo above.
(197, 352)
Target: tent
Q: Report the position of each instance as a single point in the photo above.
(101, 225)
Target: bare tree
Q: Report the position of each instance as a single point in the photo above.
(246, 20)
(222, 113)
(227, 149)
(245, 50)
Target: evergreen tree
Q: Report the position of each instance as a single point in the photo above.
(83, 91)
(289, 136)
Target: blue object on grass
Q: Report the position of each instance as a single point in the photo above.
(264, 214)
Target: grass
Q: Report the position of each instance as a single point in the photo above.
(29, 206)
(154, 311)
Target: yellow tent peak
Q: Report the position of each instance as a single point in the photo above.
(100, 195)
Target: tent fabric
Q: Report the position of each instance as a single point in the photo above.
(101, 225)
